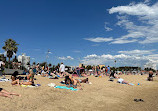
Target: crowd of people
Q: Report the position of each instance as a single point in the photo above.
(69, 79)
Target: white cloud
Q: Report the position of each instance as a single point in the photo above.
(99, 39)
(66, 58)
(136, 52)
(140, 9)
(146, 1)
(123, 41)
(90, 56)
(146, 15)
(124, 59)
(106, 27)
(62, 58)
(70, 58)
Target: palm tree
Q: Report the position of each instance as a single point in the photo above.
(10, 47)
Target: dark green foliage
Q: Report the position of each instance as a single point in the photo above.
(10, 47)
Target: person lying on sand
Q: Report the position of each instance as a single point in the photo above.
(122, 81)
(14, 79)
(5, 93)
(150, 78)
(70, 80)
(30, 78)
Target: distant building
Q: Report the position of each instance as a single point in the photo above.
(25, 60)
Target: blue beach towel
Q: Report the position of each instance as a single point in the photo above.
(131, 84)
(64, 87)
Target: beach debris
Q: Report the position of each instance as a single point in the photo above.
(137, 100)
(51, 84)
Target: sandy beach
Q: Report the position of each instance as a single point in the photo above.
(101, 95)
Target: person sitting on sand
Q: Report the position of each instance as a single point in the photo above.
(122, 81)
(14, 79)
(30, 78)
(5, 93)
(113, 75)
(43, 73)
(150, 78)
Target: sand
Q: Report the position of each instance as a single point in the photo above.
(102, 95)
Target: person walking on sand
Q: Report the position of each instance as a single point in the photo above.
(62, 69)
(108, 71)
(150, 78)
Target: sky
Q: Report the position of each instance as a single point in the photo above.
(83, 31)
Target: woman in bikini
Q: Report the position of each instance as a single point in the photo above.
(70, 80)
(14, 79)
(30, 78)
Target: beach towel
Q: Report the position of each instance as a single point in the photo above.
(64, 87)
(131, 84)
(58, 76)
(36, 85)
(4, 80)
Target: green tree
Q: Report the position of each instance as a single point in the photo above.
(3, 58)
(10, 47)
(15, 59)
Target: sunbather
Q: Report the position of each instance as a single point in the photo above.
(14, 79)
(70, 80)
(122, 81)
(5, 93)
(30, 78)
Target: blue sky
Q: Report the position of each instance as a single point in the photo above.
(87, 31)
